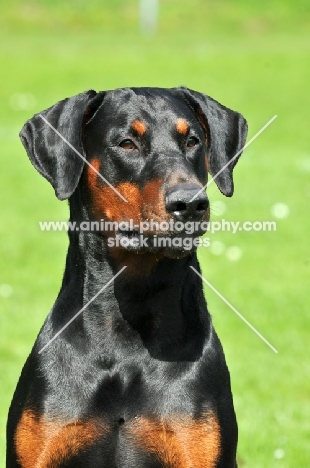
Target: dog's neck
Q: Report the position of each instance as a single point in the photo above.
(159, 299)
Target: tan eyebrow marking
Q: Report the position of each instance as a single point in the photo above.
(182, 126)
(138, 127)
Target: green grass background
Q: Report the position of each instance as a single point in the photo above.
(251, 56)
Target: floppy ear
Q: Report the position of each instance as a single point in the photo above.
(48, 152)
(226, 134)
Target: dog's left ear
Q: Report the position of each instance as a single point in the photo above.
(226, 134)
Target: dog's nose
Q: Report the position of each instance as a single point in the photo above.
(182, 205)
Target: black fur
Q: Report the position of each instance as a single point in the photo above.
(145, 347)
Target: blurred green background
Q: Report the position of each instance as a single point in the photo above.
(251, 56)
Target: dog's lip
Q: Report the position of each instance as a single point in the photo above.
(136, 242)
(135, 233)
(128, 233)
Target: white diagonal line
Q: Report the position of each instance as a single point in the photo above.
(235, 310)
(82, 157)
(236, 155)
(80, 311)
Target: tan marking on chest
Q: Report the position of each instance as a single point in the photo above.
(180, 442)
(45, 444)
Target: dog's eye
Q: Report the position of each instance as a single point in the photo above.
(192, 141)
(128, 145)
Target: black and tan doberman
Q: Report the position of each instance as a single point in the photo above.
(138, 379)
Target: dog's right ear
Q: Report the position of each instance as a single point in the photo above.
(50, 154)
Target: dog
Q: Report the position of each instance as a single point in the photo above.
(127, 370)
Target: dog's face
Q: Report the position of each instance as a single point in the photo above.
(149, 151)
(153, 150)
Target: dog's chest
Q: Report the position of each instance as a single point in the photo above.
(158, 417)
(127, 391)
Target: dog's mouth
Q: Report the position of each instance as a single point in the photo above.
(173, 244)
(128, 233)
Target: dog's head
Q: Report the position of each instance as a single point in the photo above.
(145, 153)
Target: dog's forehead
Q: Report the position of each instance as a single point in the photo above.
(146, 104)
